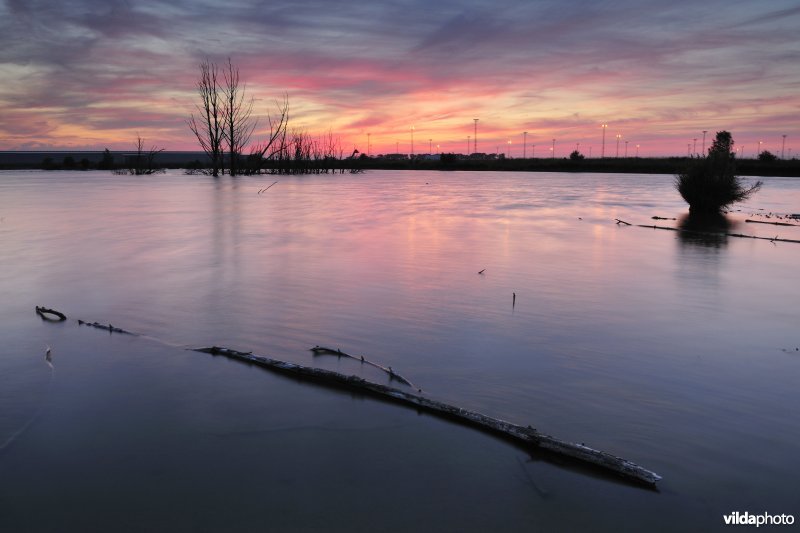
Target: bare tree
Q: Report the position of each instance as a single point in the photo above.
(225, 123)
(209, 125)
(275, 145)
(237, 113)
(142, 162)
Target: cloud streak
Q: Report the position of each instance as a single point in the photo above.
(91, 73)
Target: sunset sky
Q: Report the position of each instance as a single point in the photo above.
(91, 74)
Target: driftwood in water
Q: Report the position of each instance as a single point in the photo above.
(526, 436)
(47, 314)
(662, 218)
(106, 327)
(773, 223)
(321, 350)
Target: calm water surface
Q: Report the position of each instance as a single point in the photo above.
(675, 352)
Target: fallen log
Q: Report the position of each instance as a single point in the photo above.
(322, 350)
(46, 313)
(526, 436)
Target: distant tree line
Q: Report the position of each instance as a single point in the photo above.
(71, 163)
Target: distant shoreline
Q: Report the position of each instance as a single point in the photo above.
(90, 160)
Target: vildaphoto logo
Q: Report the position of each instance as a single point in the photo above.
(765, 519)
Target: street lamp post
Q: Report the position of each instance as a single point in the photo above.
(412, 141)
(783, 147)
(508, 154)
(637, 151)
(619, 136)
(694, 146)
(759, 148)
(525, 143)
(368, 144)
(475, 139)
(603, 148)
(626, 149)
(704, 142)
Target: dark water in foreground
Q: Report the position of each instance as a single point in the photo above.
(677, 353)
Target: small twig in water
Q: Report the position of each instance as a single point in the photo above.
(264, 190)
(48, 356)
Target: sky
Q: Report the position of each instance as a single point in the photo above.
(94, 74)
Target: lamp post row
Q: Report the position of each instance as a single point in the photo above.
(472, 141)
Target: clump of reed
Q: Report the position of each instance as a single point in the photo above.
(709, 184)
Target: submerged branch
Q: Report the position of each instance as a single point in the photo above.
(697, 232)
(321, 350)
(526, 436)
(106, 327)
(773, 223)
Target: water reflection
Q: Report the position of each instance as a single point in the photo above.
(705, 230)
(703, 242)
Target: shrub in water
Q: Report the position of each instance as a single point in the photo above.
(710, 183)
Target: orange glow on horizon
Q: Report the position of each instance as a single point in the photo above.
(375, 71)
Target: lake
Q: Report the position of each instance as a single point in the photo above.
(676, 351)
